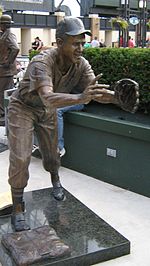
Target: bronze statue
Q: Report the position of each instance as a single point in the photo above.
(54, 78)
(8, 53)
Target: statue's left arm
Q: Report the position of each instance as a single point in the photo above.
(13, 48)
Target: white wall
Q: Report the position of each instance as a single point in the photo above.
(47, 35)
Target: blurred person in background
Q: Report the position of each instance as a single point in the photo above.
(37, 44)
(95, 42)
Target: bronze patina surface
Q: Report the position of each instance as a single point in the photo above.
(8, 53)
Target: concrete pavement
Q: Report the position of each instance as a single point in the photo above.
(127, 212)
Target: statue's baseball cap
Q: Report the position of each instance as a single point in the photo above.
(6, 19)
(71, 26)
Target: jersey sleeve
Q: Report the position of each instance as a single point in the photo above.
(40, 75)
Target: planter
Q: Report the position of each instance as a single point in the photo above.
(110, 145)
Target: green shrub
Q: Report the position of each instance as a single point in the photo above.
(32, 53)
(121, 63)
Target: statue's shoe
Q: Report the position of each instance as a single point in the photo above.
(18, 222)
(58, 193)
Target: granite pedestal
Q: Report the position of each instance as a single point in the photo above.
(90, 238)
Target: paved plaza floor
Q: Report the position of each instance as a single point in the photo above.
(127, 212)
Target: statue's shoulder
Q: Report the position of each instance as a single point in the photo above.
(84, 63)
(48, 54)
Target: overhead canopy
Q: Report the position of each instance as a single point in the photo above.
(31, 5)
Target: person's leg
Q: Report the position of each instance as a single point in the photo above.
(46, 133)
(60, 119)
(20, 129)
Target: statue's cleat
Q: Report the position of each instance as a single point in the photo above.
(58, 193)
(18, 222)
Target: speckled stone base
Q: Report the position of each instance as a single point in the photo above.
(90, 238)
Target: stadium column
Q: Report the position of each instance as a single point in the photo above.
(95, 25)
(25, 41)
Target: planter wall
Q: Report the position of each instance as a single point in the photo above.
(87, 138)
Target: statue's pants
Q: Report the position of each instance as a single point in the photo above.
(6, 83)
(22, 122)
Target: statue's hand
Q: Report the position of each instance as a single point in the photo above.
(105, 96)
(97, 92)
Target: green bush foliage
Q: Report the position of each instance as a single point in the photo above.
(32, 53)
(121, 63)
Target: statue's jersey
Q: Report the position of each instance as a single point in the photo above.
(44, 71)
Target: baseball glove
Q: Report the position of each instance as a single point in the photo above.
(127, 94)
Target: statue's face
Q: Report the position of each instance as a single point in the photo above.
(2, 27)
(72, 48)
